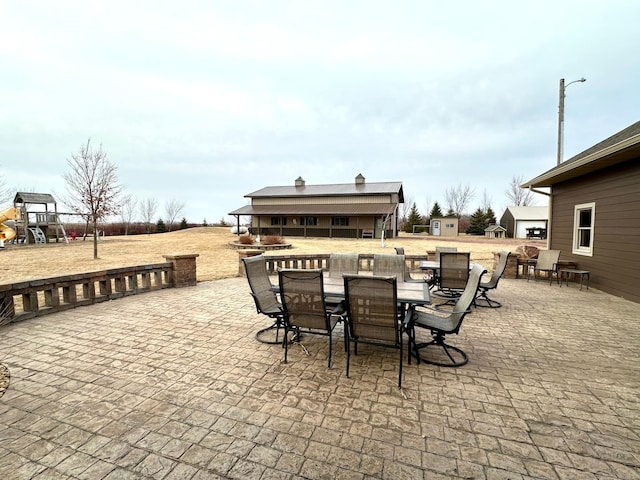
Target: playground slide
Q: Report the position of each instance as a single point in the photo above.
(7, 233)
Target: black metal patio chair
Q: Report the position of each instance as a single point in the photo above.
(302, 295)
(373, 316)
(265, 297)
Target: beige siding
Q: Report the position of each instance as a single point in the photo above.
(377, 199)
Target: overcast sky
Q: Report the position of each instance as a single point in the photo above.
(206, 101)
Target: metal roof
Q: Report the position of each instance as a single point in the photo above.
(336, 189)
(618, 148)
(529, 213)
(340, 209)
(29, 197)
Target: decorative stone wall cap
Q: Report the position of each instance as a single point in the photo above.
(181, 256)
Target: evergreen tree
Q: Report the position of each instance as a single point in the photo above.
(490, 217)
(160, 226)
(436, 211)
(204, 223)
(414, 218)
(478, 223)
(451, 213)
(184, 224)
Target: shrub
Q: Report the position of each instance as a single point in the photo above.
(272, 240)
(246, 240)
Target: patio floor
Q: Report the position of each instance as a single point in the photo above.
(172, 385)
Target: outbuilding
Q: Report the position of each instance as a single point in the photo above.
(346, 210)
(495, 231)
(444, 226)
(525, 222)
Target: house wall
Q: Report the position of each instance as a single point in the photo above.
(615, 264)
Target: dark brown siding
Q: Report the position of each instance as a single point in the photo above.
(615, 264)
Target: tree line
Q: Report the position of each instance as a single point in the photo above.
(457, 200)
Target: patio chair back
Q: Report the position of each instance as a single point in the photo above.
(461, 307)
(439, 250)
(372, 312)
(501, 266)
(261, 288)
(302, 294)
(547, 260)
(454, 270)
(389, 266)
(341, 263)
(407, 272)
(483, 300)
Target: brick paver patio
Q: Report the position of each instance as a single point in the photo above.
(172, 385)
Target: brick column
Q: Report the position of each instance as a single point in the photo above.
(244, 254)
(184, 269)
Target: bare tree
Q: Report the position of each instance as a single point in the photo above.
(92, 186)
(148, 208)
(173, 208)
(127, 211)
(5, 193)
(518, 196)
(427, 207)
(405, 208)
(485, 202)
(458, 198)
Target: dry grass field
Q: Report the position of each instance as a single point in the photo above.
(216, 258)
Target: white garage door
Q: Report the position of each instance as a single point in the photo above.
(522, 225)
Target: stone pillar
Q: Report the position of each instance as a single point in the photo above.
(184, 269)
(244, 254)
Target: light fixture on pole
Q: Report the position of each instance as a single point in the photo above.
(563, 87)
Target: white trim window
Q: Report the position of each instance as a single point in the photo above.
(584, 216)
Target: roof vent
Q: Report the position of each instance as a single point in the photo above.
(299, 182)
(359, 179)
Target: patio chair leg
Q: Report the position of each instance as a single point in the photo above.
(277, 325)
(438, 340)
(490, 302)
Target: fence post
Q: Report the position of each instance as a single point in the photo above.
(184, 269)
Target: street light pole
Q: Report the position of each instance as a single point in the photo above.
(563, 88)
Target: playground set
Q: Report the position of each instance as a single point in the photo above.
(33, 219)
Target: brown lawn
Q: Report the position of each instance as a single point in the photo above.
(216, 258)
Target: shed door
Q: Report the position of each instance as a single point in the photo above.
(435, 227)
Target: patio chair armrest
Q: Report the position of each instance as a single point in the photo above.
(339, 309)
(442, 310)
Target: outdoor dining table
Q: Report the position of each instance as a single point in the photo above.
(435, 265)
(408, 293)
